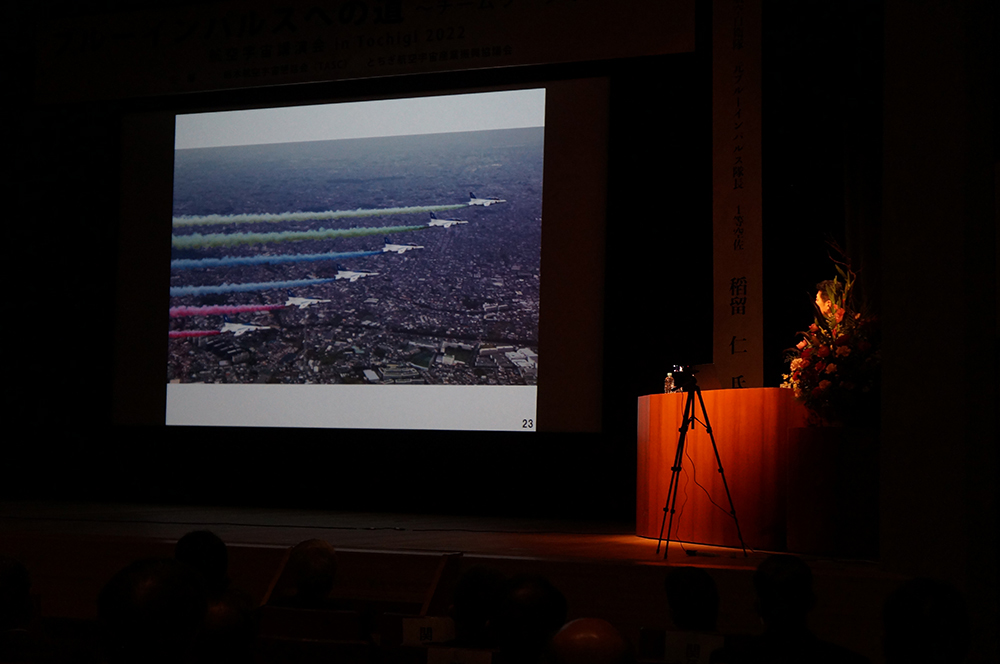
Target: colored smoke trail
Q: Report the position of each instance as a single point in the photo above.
(220, 310)
(266, 217)
(184, 334)
(176, 291)
(232, 261)
(196, 240)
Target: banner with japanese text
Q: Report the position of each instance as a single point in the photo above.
(738, 352)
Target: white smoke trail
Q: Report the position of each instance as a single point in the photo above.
(267, 217)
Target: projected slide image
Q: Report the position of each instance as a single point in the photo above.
(378, 243)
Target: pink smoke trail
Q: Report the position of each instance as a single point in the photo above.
(182, 334)
(220, 310)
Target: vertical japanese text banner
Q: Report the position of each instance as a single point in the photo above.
(736, 193)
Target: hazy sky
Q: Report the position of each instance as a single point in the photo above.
(390, 117)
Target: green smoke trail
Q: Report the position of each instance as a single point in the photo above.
(196, 240)
(266, 217)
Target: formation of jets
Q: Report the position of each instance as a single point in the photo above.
(398, 248)
(444, 223)
(239, 329)
(485, 202)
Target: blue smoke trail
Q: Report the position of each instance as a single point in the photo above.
(196, 240)
(177, 291)
(233, 261)
(267, 217)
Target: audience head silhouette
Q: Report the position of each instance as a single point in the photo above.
(531, 612)
(150, 612)
(693, 599)
(204, 552)
(784, 591)
(228, 631)
(926, 622)
(308, 576)
(588, 641)
(478, 595)
(784, 599)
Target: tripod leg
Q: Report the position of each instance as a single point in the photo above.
(686, 423)
(671, 503)
(725, 484)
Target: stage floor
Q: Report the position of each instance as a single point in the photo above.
(486, 537)
(542, 539)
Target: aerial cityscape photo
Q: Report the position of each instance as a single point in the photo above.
(401, 259)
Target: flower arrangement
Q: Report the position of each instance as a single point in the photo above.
(834, 369)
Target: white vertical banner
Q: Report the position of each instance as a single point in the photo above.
(738, 350)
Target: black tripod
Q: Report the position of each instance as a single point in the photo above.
(688, 423)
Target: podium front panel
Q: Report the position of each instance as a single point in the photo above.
(751, 429)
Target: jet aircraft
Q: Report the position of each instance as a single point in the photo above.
(485, 202)
(301, 302)
(351, 275)
(239, 329)
(398, 248)
(444, 223)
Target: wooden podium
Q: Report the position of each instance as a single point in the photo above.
(751, 429)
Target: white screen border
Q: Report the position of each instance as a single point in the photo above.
(423, 407)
